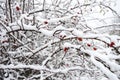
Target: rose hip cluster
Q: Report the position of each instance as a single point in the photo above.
(88, 44)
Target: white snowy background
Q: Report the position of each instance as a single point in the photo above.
(59, 40)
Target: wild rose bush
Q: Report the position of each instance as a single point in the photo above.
(52, 40)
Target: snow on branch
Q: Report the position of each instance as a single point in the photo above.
(38, 67)
(105, 70)
(53, 39)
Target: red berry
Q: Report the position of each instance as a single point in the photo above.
(80, 39)
(95, 48)
(65, 49)
(89, 45)
(17, 8)
(111, 44)
(45, 22)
